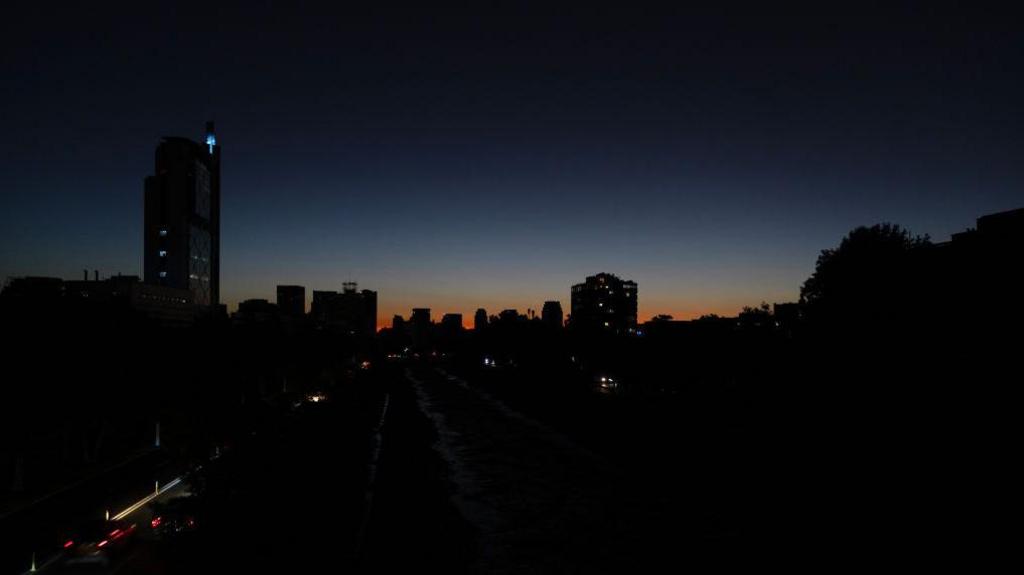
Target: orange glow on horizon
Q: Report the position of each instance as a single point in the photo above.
(384, 321)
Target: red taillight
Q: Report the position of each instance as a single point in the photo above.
(69, 543)
(116, 533)
(102, 543)
(155, 522)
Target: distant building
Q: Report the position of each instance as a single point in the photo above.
(979, 271)
(352, 311)
(420, 317)
(551, 314)
(256, 311)
(509, 316)
(291, 300)
(165, 305)
(451, 322)
(1006, 228)
(398, 323)
(421, 326)
(451, 326)
(32, 288)
(182, 218)
(604, 303)
(480, 319)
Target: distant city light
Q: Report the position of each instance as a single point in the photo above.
(211, 141)
(163, 253)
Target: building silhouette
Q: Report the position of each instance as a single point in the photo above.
(291, 300)
(604, 302)
(480, 319)
(451, 322)
(420, 318)
(351, 311)
(510, 317)
(256, 311)
(420, 326)
(398, 323)
(182, 218)
(167, 306)
(551, 314)
(451, 326)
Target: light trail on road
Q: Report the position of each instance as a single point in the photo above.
(138, 504)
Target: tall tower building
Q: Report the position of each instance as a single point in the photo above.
(182, 218)
(604, 303)
(480, 319)
(551, 314)
(291, 300)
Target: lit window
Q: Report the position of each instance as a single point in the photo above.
(163, 232)
(163, 274)
(163, 253)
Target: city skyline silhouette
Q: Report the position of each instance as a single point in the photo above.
(502, 288)
(704, 156)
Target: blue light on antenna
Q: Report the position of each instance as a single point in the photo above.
(211, 141)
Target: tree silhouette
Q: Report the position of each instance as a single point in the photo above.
(869, 279)
(756, 317)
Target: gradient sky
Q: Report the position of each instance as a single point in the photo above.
(491, 157)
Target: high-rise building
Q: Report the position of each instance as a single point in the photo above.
(420, 317)
(604, 303)
(480, 319)
(451, 322)
(551, 314)
(398, 323)
(291, 300)
(421, 327)
(510, 317)
(352, 311)
(182, 218)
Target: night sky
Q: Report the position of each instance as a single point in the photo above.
(492, 157)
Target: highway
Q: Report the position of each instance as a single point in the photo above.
(418, 467)
(542, 501)
(290, 493)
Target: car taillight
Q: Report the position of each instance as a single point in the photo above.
(155, 522)
(102, 543)
(69, 543)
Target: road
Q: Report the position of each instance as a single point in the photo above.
(540, 502)
(415, 467)
(289, 494)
